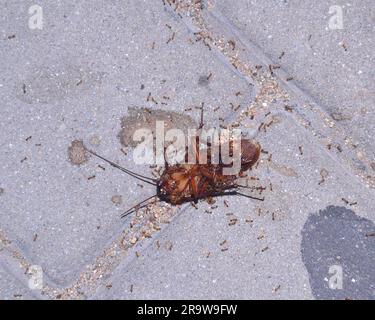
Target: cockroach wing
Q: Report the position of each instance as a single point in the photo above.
(250, 152)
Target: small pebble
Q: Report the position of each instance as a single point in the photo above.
(117, 199)
(95, 140)
(324, 173)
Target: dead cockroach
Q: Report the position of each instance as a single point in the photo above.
(188, 183)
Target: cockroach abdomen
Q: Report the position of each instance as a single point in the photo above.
(250, 152)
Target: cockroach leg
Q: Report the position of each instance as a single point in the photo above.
(137, 206)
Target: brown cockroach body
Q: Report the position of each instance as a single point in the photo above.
(183, 183)
(190, 182)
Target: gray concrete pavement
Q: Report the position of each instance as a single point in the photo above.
(332, 62)
(93, 63)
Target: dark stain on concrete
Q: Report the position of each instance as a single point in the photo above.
(203, 81)
(337, 238)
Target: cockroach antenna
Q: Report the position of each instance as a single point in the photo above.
(134, 175)
(145, 179)
(248, 196)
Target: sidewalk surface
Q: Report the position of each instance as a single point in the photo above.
(297, 76)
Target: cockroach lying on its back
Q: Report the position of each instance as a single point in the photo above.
(182, 183)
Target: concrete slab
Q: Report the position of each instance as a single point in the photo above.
(325, 46)
(18, 280)
(75, 79)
